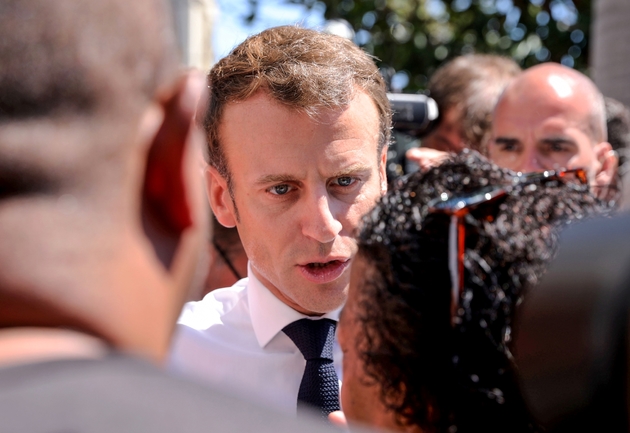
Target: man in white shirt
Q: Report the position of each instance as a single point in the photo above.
(297, 126)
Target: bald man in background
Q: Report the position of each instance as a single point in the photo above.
(102, 221)
(553, 117)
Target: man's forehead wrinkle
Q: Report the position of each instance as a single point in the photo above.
(568, 117)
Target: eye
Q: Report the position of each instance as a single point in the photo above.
(507, 146)
(345, 181)
(557, 147)
(281, 189)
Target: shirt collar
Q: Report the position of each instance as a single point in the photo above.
(269, 314)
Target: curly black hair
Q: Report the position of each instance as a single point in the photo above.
(443, 373)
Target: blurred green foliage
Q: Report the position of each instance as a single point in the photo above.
(411, 38)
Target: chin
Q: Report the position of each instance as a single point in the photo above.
(332, 301)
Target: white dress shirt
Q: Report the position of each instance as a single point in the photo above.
(233, 339)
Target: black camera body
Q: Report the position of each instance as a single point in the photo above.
(413, 114)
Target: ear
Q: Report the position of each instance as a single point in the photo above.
(383, 170)
(169, 184)
(220, 198)
(608, 165)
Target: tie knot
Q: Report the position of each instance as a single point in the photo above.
(314, 338)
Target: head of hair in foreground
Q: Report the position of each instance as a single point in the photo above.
(429, 371)
(303, 69)
(466, 90)
(99, 209)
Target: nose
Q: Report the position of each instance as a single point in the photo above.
(531, 162)
(531, 165)
(319, 221)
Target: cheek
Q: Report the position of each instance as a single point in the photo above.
(261, 234)
(368, 198)
(585, 152)
(509, 160)
(586, 155)
(585, 158)
(494, 154)
(253, 246)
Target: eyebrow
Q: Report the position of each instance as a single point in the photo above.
(275, 178)
(558, 140)
(352, 169)
(506, 140)
(282, 178)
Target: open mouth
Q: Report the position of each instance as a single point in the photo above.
(323, 265)
(324, 272)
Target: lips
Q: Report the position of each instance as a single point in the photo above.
(324, 272)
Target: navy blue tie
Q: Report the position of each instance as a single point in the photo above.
(320, 384)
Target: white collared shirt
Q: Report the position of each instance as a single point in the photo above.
(233, 339)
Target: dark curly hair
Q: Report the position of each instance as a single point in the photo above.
(443, 373)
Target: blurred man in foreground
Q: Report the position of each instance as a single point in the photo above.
(297, 126)
(554, 117)
(101, 221)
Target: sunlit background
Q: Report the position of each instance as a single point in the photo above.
(411, 38)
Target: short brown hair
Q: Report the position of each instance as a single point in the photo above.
(473, 83)
(300, 68)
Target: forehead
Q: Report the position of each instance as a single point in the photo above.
(261, 133)
(541, 110)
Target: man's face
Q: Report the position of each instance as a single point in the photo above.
(360, 394)
(447, 136)
(300, 187)
(541, 133)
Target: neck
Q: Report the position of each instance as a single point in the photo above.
(28, 345)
